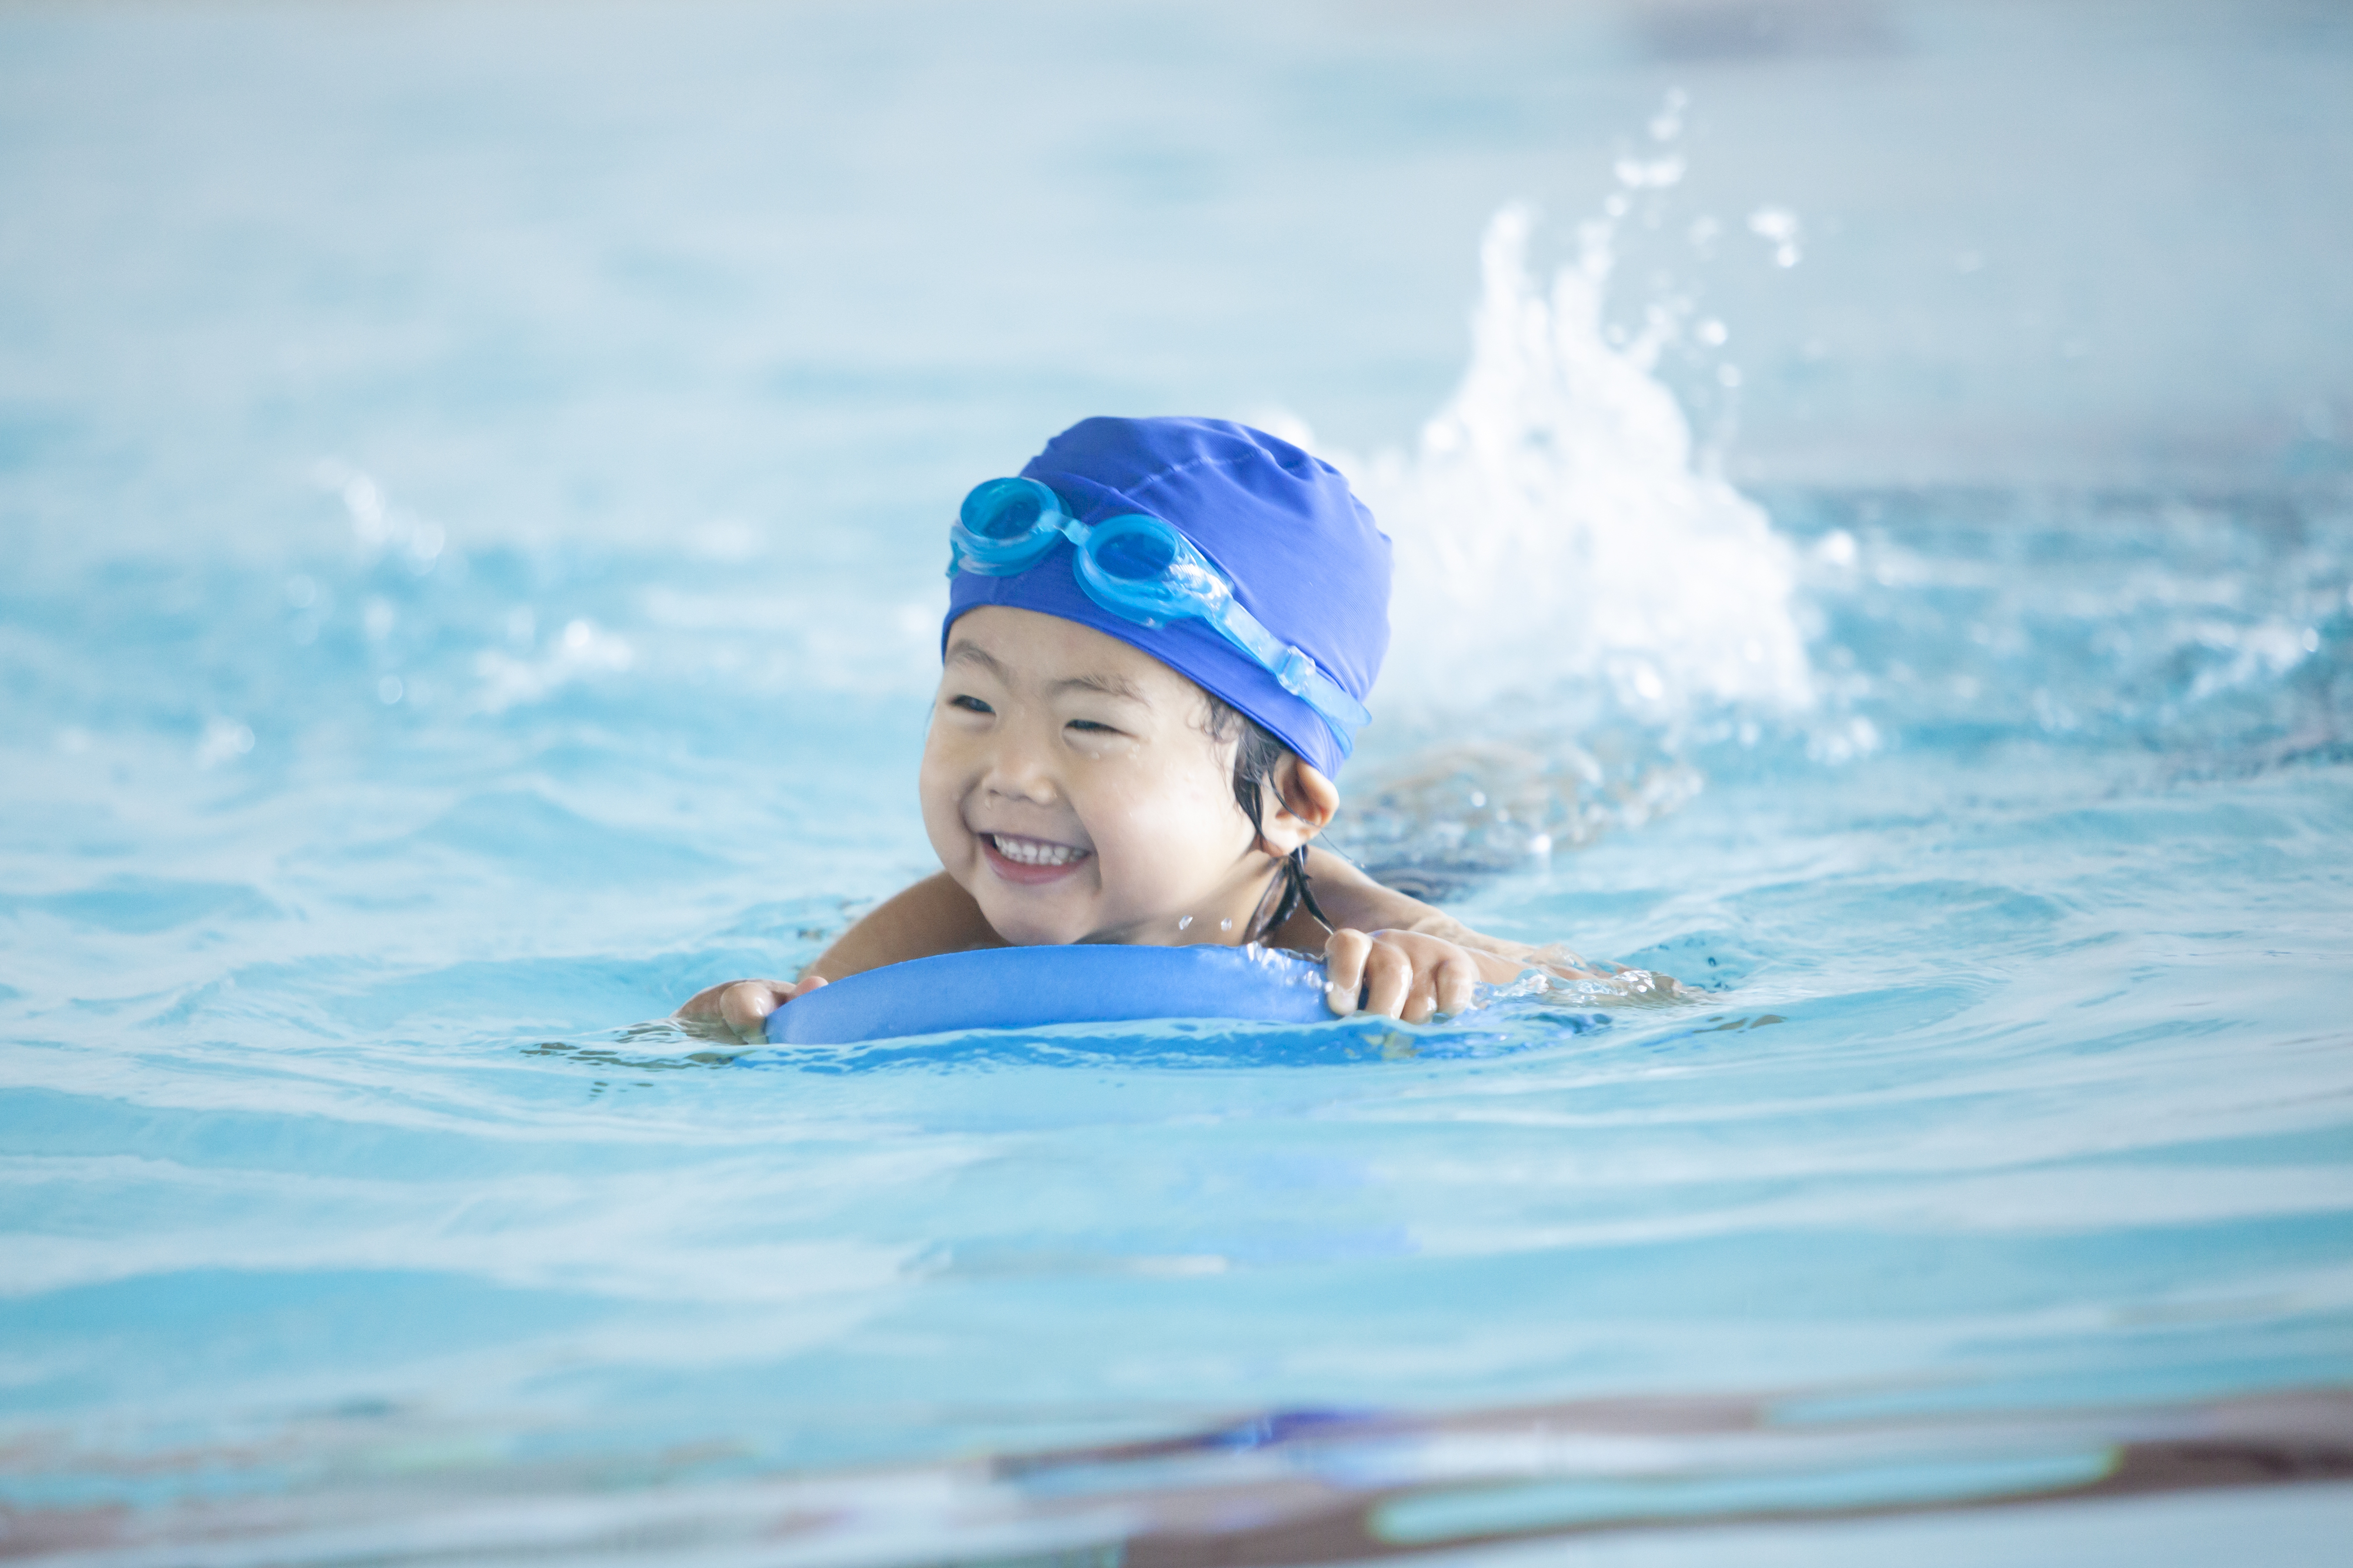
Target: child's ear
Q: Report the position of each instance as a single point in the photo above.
(1305, 802)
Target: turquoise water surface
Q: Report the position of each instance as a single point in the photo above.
(473, 479)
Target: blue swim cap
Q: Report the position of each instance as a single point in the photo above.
(1303, 554)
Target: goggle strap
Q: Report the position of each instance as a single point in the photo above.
(1292, 667)
(1297, 672)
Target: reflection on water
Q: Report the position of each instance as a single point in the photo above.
(1284, 1487)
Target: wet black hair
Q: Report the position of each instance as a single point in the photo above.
(1257, 753)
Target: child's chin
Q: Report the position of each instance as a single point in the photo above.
(1029, 928)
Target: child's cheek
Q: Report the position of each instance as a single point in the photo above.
(1108, 750)
(1148, 833)
(940, 783)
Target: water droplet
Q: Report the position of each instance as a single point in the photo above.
(363, 500)
(1652, 173)
(1779, 227)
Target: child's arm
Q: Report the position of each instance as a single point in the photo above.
(1389, 954)
(933, 916)
(1357, 903)
(1404, 958)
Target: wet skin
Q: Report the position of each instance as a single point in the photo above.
(1075, 792)
(1071, 784)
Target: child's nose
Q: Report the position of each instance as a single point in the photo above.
(1017, 770)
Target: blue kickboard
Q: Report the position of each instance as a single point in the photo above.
(1030, 987)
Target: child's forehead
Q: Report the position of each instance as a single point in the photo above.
(1025, 646)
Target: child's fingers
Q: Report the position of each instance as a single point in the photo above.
(1456, 978)
(1420, 999)
(1388, 982)
(1344, 970)
(745, 1007)
(703, 1004)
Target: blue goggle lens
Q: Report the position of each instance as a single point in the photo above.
(1136, 555)
(1008, 509)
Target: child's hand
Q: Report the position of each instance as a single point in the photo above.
(1406, 975)
(740, 1007)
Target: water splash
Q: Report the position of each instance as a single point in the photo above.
(1567, 564)
(1553, 530)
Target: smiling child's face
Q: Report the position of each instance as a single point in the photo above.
(1072, 785)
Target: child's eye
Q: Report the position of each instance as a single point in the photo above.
(970, 704)
(1090, 727)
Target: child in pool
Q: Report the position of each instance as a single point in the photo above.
(1157, 646)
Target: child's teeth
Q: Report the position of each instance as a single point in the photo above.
(1031, 853)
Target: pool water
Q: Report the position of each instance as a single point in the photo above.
(1883, 554)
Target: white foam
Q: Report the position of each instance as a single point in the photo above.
(1553, 529)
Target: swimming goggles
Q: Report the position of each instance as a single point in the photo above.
(1142, 570)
